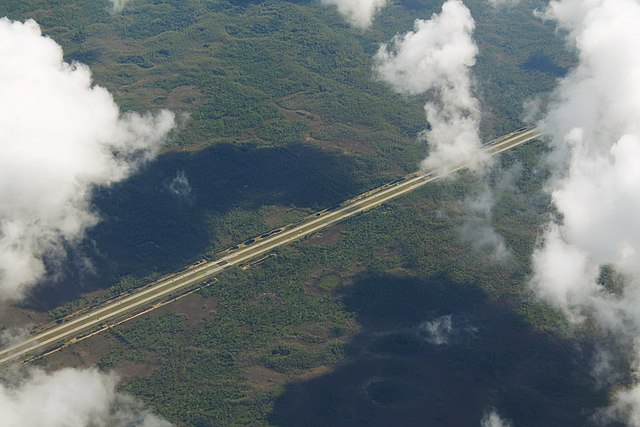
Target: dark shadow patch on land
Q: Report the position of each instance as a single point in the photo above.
(394, 375)
(149, 226)
(419, 5)
(543, 63)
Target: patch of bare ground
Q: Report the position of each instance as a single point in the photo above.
(318, 334)
(313, 120)
(328, 236)
(89, 353)
(291, 112)
(314, 372)
(129, 369)
(194, 308)
(347, 147)
(292, 102)
(197, 145)
(110, 42)
(277, 216)
(289, 106)
(314, 285)
(266, 299)
(182, 96)
(262, 378)
(12, 316)
(322, 281)
(86, 353)
(315, 336)
(144, 89)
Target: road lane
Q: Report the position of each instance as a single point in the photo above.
(129, 306)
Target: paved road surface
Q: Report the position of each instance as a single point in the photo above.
(170, 287)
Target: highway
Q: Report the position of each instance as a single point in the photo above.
(173, 286)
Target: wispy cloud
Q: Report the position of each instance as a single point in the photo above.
(477, 229)
(446, 329)
(503, 3)
(437, 331)
(179, 185)
(10, 336)
(118, 5)
(491, 418)
(359, 13)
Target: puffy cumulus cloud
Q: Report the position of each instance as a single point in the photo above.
(437, 331)
(359, 13)
(118, 5)
(71, 398)
(594, 124)
(593, 121)
(491, 418)
(60, 136)
(435, 59)
(445, 330)
(565, 274)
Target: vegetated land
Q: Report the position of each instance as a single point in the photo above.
(285, 117)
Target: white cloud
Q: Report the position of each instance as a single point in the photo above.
(533, 109)
(118, 5)
(565, 276)
(71, 398)
(437, 331)
(179, 185)
(14, 335)
(624, 407)
(477, 229)
(359, 13)
(493, 419)
(60, 137)
(503, 3)
(594, 125)
(594, 122)
(447, 329)
(435, 59)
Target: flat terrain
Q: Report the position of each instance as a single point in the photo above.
(282, 119)
(123, 308)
